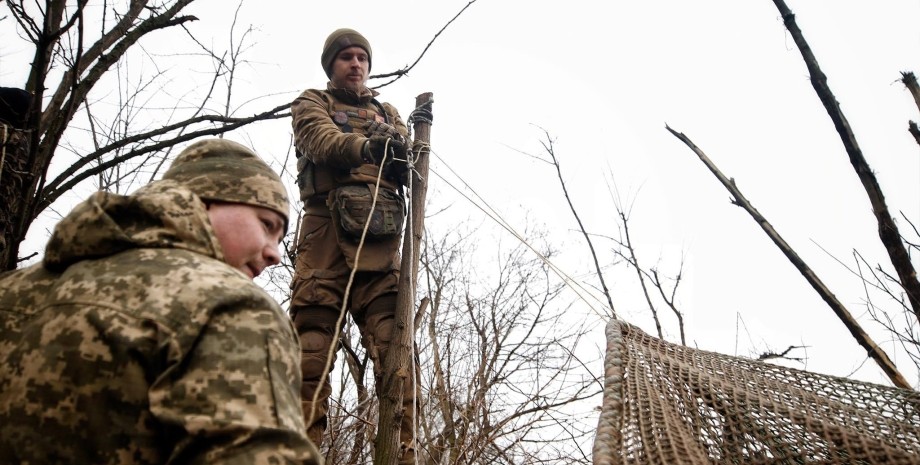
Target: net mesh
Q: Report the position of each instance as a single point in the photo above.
(671, 404)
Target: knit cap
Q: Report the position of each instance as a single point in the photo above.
(339, 40)
(225, 171)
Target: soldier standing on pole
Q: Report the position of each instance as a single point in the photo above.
(351, 159)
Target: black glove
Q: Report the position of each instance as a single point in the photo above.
(397, 171)
(377, 128)
(376, 144)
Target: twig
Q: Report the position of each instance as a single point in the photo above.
(770, 354)
(402, 72)
(548, 146)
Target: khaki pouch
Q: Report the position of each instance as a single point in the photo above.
(353, 205)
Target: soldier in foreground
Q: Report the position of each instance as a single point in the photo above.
(350, 148)
(141, 339)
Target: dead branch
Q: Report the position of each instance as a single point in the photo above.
(784, 354)
(864, 340)
(887, 228)
(914, 131)
(910, 81)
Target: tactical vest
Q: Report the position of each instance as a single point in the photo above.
(314, 180)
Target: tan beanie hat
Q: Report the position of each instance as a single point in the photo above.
(339, 40)
(225, 171)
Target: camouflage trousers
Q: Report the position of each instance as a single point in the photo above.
(321, 275)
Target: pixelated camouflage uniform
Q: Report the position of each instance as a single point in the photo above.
(134, 343)
(329, 137)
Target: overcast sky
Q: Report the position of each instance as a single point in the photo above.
(604, 77)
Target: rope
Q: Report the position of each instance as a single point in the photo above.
(570, 282)
(351, 277)
(421, 113)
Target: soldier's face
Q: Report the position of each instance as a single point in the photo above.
(350, 69)
(248, 235)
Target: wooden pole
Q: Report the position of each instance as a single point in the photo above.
(398, 368)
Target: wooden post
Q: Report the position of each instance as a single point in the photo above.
(398, 366)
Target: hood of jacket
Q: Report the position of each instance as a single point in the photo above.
(162, 214)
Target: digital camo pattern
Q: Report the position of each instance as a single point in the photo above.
(218, 169)
(133, 343)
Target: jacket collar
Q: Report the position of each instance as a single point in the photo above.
(351, 97)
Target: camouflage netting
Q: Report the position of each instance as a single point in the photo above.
(669, 404)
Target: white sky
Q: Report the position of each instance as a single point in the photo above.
(604, 77)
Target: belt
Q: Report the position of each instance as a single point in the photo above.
(317, 211)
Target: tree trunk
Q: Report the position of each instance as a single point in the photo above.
(14, 155)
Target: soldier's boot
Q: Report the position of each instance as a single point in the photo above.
(315, 327)
(376, 337)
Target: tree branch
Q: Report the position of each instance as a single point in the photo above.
(405, 71)
(887, 228)
(68, 179)
(548, 146)
(863, 338)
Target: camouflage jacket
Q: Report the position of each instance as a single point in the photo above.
(329, 133)
(134, 343)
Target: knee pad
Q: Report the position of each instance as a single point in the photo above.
(376, 338)
(314, 346)
(380, 328)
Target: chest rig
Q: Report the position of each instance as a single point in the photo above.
(313, 179)
(350, 118)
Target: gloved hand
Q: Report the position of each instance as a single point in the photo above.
(384, 129)
(377, 143)
(397, 171)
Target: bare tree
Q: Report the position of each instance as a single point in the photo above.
(656, 289)
(505, 377)
(93, 114)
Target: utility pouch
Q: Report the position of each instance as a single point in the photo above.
(353, 205)
(305, 178)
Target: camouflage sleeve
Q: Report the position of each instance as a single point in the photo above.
(236, 395)
(318, 137)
